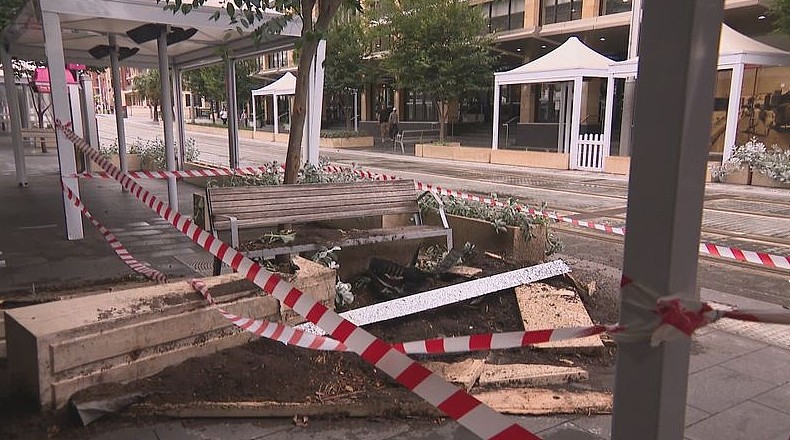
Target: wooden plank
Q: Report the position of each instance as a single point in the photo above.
(537, 401)
(545, 307)
(530, 375)
(464, 373)
(248, 221)
(369, 208)
(309, 190)
(342, 200)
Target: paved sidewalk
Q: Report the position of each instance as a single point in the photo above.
(739, 379)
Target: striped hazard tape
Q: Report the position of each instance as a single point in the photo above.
(453, 401)
(205, 172)
(761, 258)
(113, 241)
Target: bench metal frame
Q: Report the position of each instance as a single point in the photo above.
(409, 136)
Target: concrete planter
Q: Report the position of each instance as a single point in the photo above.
(760, 179)
(453, 151)
(133, 162)
(535, 159)
(512, 244)
(617, 165)
(739, 177)
(347, 142)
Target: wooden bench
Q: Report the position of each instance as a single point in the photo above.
(414, 136)
(39, 136)
(231, 209)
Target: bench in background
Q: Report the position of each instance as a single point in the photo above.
(413, 137)
(43, 137)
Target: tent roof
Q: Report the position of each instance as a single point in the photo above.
(570, 60)
(734, 48)
(286, 85)
(86, 24)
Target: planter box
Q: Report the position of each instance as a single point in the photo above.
(58, 348)
(536, 159)
(760, 179)
(739, 177)
(511, 244)
(348, 142)
(133, 162)
(617, 165)
(453, 152)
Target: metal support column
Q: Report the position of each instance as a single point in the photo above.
(665, 197)
(178, 92)
(608, 115)
(60, 106)
(233, 118)
(495, 137)
(629, 92)
(15, 119)
(90, 129)
(167, 117)
(576, 119)
(115, 72)
(733, 111)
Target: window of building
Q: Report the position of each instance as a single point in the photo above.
(419, 107)
(188, 100)
(547, 103)
(615, 6)
(557, 11)
(503, 15)
(277, 60)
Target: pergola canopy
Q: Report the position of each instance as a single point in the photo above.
(285, 85)
(572, 59)
(734, 49)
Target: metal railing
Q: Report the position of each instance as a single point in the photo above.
(507, 128)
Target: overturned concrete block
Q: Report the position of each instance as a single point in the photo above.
(314, 279)
(537, 401)
(58, 348)
(544, 307)
(530, 375)
(463, 373)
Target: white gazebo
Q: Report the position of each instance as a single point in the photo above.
(569, 63)
(736, 52)
(286, 85)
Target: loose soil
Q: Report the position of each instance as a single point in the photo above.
(263, 370)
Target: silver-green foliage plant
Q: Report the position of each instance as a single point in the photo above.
(773, 162)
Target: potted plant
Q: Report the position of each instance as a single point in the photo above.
(345, 139)
(754, 164)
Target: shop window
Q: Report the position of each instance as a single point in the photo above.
(557, 11)
(615, 6)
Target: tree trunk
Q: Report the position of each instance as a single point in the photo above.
(156, 113)
(293, 156)
(442, 109)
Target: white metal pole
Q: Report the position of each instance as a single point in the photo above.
(118, 101)
(15, 119)
(576, 121)
(233, 118)
(733, 111)
(356, 110)
(561, 118)
(567, 97)
(316, 103)
(254, 115)
(630, 82)
(178, 94)
(608, 115)
(90, 128)
(276, 116)
(495, 128)
(167, 117)
(665, 199)
(60, 106)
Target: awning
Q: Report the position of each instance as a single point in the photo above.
(40, 79)
(286, 85)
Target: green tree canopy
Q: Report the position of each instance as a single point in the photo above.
(147, 86)
(439, 48)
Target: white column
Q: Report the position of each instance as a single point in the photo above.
(233, 118)
(90, 129)
(665, 197)
(315, 104)
(495, 137)
(178, 93)
(567, 98)
(14, 117)
(254, 115)
(60, 106)
(167, 117)
(733, 110)
(576, 121)
(608, 115)
(276, 116)
(75, 106)
(629, 90)
(115, 71)
(356, 110)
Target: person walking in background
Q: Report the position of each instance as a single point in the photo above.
(243, 118)
(383, 124)
(393, 123)
(224, 116)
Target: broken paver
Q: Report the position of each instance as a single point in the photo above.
(538, 401)
(530, 375)
(463, 373)
(544, 307)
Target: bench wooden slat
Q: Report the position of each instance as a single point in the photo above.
(308, 189)
(220, 207)
(253, 219)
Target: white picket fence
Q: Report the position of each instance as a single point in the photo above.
(590, 153)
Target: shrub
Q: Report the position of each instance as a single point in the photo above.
(773, 162)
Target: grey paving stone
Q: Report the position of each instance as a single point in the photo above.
(568, 431)
(717, 389)
(236, 430)
(347, 430)
(715, 347)
(174, 431)
(777, 398)
(542, 423)
(143, 433)
(598, 425)
(746, 421)
(694, 415)
(770, 364)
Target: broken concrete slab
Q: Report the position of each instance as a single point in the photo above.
(314, 279)
(432, 299)
(538, 401)
(463, 373)
(545, 307)
(465, 271)
(530, 375)
(58, 348)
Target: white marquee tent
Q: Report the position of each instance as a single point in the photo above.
(286, 85)
(569, 63)
(736, 52)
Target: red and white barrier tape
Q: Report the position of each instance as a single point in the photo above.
(207, 172)
(113, 241)
(453, 401)
(762, 258)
